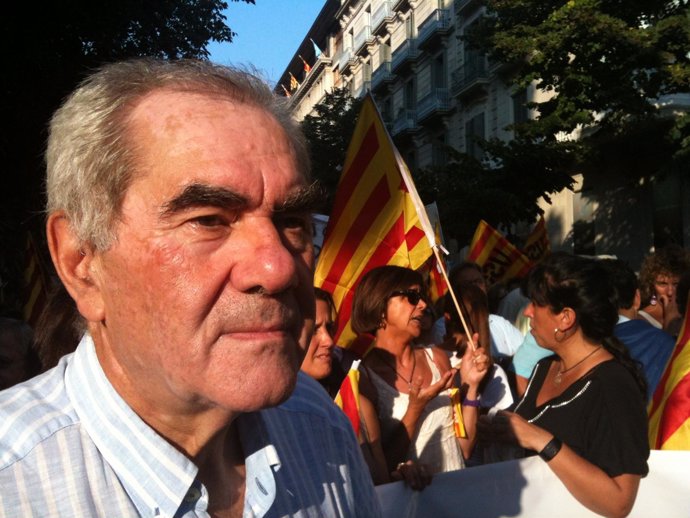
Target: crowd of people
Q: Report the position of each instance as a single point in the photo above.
(179, 224)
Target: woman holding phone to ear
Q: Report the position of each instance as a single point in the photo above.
(409, 385)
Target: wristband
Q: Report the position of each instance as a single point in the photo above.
(551, 449)
(470, 402)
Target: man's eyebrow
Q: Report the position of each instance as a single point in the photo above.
(304, 199)
(203, 195)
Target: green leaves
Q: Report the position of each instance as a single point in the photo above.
(609, 65)
(329, 132)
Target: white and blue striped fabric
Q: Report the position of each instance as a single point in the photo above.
(71, 446)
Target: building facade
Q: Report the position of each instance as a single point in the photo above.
(434, 91)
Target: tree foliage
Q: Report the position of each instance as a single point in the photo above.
(611, 66)
(329, 132)
(465, 190)
(49, 48)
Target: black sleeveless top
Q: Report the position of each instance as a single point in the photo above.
(601, 416)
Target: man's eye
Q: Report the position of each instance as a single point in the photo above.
(296, 230)
(298, 222)
(212, 220)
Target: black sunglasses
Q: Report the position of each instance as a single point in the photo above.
(413, 296)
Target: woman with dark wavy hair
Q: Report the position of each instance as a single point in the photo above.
(584, 407)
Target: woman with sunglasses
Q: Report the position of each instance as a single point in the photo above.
(409, 385)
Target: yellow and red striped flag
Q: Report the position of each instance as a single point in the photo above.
(347, 397)
(377, 218)
(500, 260)
(537, 246)
(307, 66)
(437, 283)
(35, 283)
(669, 410)
(294, 84)
(432, 270)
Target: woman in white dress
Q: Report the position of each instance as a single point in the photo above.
(408, 385)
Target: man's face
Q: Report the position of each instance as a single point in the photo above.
(207, 291)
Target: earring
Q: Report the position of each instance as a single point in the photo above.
(555, 335)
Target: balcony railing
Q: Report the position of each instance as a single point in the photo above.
(437, 101)
(361, 38)
(381, 75)
(467, 78)
(344, 57)
(405, 121)
(465, 5)
(405, 52)
(381, 14)
(437, 23)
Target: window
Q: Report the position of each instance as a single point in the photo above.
(439, 71)
(384, 53)
(474, 130)
(409, 26)
(520, 112)
(409, 95)
(438, 151)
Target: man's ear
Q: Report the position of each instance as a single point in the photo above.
(73, 263)
(637, 300)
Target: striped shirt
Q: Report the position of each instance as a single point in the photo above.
(71, 446)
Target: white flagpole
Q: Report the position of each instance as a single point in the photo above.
(424, 221)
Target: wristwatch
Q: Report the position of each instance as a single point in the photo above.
(551, 449)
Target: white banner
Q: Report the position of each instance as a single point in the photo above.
(528, 488)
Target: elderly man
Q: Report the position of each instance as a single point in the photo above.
(179, 222)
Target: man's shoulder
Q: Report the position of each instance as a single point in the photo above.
(310, 397)
(641, 329)
(498, 322)
(32, 412)
(310, 408)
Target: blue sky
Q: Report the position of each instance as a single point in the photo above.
(268, 34)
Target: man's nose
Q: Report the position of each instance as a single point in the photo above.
(266, 262)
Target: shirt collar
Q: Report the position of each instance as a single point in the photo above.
(261, 462)
(154, 474)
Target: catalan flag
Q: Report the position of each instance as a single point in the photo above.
(437, 283)
(287, 94)
(317, 50)
(377, 218)
(35, 283)
(294, 84)
(669, 410)
(347, 397)
(537, 246)
(458, 422)
(307, 66)
(500, 260)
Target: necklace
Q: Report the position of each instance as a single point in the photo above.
(408, 381)
(559, 376)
